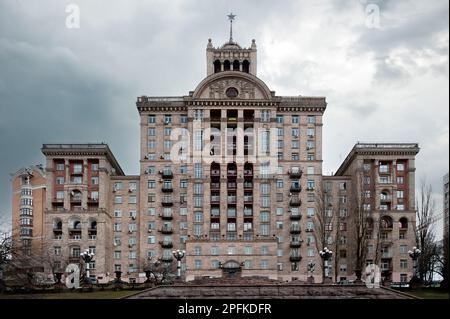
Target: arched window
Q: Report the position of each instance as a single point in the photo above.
(236, 65)
(386, 222)
(246, 66)
(93, 224)
(403, 223)
(216, 66)
(226, 65)
(57, 224)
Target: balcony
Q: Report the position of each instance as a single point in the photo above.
(57, 230)
(295, 216)
(215, 199)
(167, 188)
(386, 198)
(248, 173)
(248, 185)
(167, 259)
(167, 174)
(248, 212)
(215, 186)
(295, 201)
(295, 229)
(295, 189)
(295, 244)
(74, 230)
(166, 216)
(167, 202)
(166, 244)
(248, 199)
(232, 173)
(231, 185)
(215, 173)
(166, 230)
(295, 258)
(231, 199)
(295, 173)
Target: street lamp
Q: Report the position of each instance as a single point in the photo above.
(87, 257)
(178, 254)
(326, 255)
(414, 254)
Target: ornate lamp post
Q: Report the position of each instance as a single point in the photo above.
(87, 258)
(326, 255)
(178, 254)
(414, 254)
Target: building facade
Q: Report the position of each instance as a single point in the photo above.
(231, 173)
(446, 206)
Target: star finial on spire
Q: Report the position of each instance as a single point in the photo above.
(231, 17)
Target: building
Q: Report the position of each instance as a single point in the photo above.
(231, 173)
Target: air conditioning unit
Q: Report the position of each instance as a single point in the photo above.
(130, 231)
(160, 172)
(130, 190)
(150, 230)
(133, 217)
(145, 157)
(130, 245)
(115, 244)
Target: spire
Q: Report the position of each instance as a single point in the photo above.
(231, 17)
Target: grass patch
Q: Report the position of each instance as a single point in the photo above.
(428, 293)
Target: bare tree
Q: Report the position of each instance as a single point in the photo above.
(425, 234)
(158, 272)
(360, 226)
(323, 221)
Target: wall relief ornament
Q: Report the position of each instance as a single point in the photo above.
(218, 89)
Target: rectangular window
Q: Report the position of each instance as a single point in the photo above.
(400, 167)
(118, 200)
(279, 118)
(311, 119)
(60, 167)
(295, 119)
(265, 115)
(403, 263)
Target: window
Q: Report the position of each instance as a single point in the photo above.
(403, 263)
(247, 264)
(183, 169)
(265, 115)
(77, 180)
(231, 250)
(295, 132)
(310, 252)
(197, 251)
(280, 211)
(310, 132)
(77, 168)
(280, 131)
(310, 157)
(151, 239)
(59, 180)
(367, 194)
(151, 211)
(400, 167)
(400, 207)
(264, 264)
(183, 211)
(248, 250)
(403, 249)
(183, 183)
(215, 250)
(402, 235)
(151, 131)
(118, 200)
(183, 119)
(151, 119)
(264, 229)
(60, 167)
(343, 268)
(310, 211)
(295, 157)
(57, 250)
(264, 250)
(310, 145)
(295, 144)
(311, 119)
(400, 194)
(117, 254)
(132, 199)
(400, 180)
(295, 119)
(279, 118)
(60, 195)
(151, 198)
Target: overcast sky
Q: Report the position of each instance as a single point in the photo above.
(385, 81)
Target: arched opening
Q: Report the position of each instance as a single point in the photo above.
(57, 224)
(216, 66)
(93, 224)
(226, 65)
(75, 196)
(235, 65)
(386, 222)
(246, 66)
(403, 223)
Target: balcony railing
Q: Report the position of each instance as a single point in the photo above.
(167, 188)
(215, 172)
(295, 244)
(295, 188)
(248, 212)
(248, 199)
(248, 173)
(295, 173)
(166, 244)
(248, 185)
(167, 259)
(295, 229)
(295, 257)
(295, 201)
(386, 198)
(74, 259)
(167, 202)
(166, 230)
(57, 230)
(295, 216)
(75, 230)
(215, 185)
(215, 199)
(232, 173)
(231, 199)
(167, 174)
